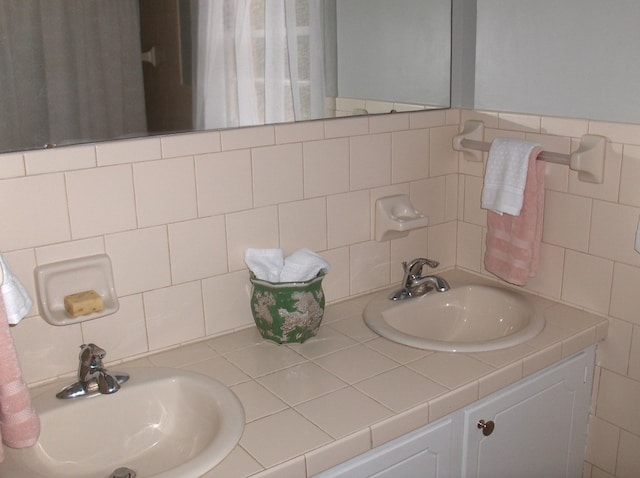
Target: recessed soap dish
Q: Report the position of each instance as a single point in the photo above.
(56, 280)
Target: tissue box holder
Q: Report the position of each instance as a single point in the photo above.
(287, 312)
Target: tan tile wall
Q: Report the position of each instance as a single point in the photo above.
(176, 213)
(588, 259)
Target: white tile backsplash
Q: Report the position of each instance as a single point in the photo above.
(224, 182)
(277, 174)
(140, 259)
(64, 159)
(256, 228)
(174, 315)
(303, 224)
(198, 249)
(370, 161)
(348, 218)
(34, 212)
(101, 201)
(326, 167)
(165, 191)
(409, 155)
(12, 166)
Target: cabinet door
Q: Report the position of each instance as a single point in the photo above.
(424, 453)
(540, 425)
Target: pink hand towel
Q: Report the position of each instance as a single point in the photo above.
(19, 424)
(513, 242)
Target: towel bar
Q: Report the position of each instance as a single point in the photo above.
(587, 160)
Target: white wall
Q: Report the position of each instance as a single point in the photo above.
(575, 58)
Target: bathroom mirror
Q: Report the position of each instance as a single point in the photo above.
(73, 71)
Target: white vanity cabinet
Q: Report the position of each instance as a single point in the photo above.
(534, 428)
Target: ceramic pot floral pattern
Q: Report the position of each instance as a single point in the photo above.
(287, 312)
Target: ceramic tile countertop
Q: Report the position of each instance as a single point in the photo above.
(313, 405)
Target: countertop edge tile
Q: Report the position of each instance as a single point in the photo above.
(453, 400)
(341, 450)
(294, 468)
(396, 426)
(579, 341)
(542, 358)
(500, 378)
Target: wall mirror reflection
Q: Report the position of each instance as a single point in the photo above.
(76, 71)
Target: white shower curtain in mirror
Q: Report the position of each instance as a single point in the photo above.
(272, 54)
(79, 77)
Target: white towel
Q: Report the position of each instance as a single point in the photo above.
(302, 265)
(506, 175)
(266, 264)
(269, 265)
(17, 301)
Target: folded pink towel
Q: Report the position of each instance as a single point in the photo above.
(513, 242)
(19, 424)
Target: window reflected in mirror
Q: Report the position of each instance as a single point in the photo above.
(73, 71)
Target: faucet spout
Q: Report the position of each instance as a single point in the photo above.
(90, 362)
(439, 283)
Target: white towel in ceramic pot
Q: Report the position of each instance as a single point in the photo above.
(268, 264)
(302, 265)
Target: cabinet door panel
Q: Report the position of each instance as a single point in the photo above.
(540, 426)
(425, 453)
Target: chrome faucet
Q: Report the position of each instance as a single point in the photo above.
(414, 284)
(93, 378)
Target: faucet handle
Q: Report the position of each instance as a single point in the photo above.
(91, 353)
(415, 266)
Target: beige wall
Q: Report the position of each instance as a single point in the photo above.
(176, 213)
(587, 260)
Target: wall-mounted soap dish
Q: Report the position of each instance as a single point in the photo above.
(395, 217)
(57, 280)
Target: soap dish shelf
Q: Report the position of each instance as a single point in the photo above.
(56, 280)
(395, 217)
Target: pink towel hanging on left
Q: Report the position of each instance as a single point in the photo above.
(19, 423)
(513, 242)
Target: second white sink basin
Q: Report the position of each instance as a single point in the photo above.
(470, 318)
(162, 423)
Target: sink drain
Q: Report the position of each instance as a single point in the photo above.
(123, 472)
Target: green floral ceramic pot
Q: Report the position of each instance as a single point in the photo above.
(287, 312)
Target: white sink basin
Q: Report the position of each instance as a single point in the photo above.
(470, 318)
(161, 423)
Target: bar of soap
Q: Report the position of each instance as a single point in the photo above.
(83, 303)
